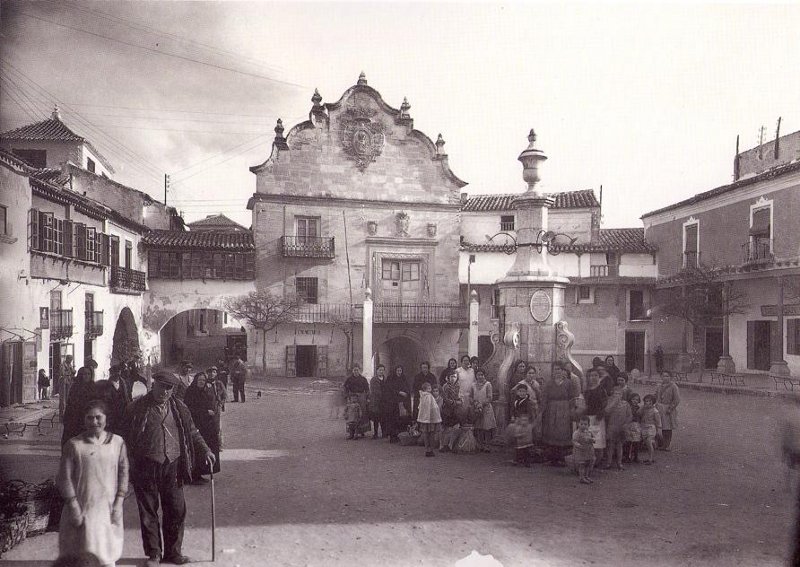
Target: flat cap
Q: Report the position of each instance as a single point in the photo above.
(166, 378)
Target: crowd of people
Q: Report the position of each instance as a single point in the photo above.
(596, 417)
(169, 436)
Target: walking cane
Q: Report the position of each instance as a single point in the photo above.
(213, 521)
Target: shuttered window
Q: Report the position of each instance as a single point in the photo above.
(793, 336)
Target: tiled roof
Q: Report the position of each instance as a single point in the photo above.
(227, 241)
(53, 175)
(502, 202)
(50, 129)
(629, 240)
(215, 222)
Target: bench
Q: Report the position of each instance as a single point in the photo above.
(787, 381)
(50, 420)
(14, 427)
(723, 377)
(681, 376)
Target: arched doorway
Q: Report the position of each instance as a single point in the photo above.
(126, 338)
(401, 350)
(202, 336)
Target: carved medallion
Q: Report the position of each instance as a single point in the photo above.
(431, 229)
(403, 220)
(362, 137)
(541, 306)
(372, 227)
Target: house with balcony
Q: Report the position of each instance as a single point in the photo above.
(59, 254)
(612, 273)
(355, 199)
(745, 233)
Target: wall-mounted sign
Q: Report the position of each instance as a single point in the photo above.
(44, 317)
(772, 310)
(541, 306)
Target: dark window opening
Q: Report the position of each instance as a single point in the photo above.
(637, 308)
(34, 158)
(506, 222)
(90, 164)
(307, 289)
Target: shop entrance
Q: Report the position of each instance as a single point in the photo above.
(306, 360)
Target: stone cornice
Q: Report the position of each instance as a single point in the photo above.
(401, 241)
(350, 203)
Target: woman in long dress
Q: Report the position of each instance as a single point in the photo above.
(667, 399)
(357, 385)
(485, 424)
(559, 395)
(93, 479)
(596, 400)
(204, 405)
(466, 379)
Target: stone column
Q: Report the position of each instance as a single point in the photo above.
(778, 365)
(474, 307)
(683, 361)
(726, 363)
(366, 337)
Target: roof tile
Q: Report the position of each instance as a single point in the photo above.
(227, 241)
(629, 240)
(50, 129)
(503, 201)
(215, 222)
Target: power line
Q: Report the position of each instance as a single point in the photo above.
(222, 67)
(192, 166)
(180, 119)
(18, 97)
(143, 27)
(113, 125)
(167, 109)
(246, 149)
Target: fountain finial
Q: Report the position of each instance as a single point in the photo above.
(362, 79)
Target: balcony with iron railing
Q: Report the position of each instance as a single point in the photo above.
(329, 313)
(757, 251)
(308, 247)
(94, 324)
(125, 280)
(421, 313)
(690, 260)
(60, 324)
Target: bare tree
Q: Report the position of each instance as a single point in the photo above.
(701, 295)
(346, 325)
(263, 311)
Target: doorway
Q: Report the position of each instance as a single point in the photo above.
(713, 348)
(11, 375)
(759, 344)
(306, 360)
(634, 350)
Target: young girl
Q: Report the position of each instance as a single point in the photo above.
(429, 418)
(352, 416)
(583, 450)
(451, 406)
(43, 383)
(485, 423)
(633, 432)
(650, 423)
(618, 415)
(523, 439)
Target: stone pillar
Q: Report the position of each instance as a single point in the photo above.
(683, 361)
(366, 337)
(726, 363)
(474, 307)
(778, 365)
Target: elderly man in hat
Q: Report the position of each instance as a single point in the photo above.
(163, 445)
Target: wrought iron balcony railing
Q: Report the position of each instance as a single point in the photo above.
(690, 260)
(329, 313)
(125, 280)
(598, 271)
(60, 324)
(420, 313)
(94, 324)
(758, 250)
(308, 247)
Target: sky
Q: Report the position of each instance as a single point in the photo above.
(645, 100)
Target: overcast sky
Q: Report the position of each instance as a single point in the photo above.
(645, 100)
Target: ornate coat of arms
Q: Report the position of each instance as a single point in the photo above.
(362, 138)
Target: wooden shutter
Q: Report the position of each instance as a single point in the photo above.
(33, 230)
(104, 249)
(80, 241)
(322, 361)
(751, 342)
(69, 231)
(291, 365)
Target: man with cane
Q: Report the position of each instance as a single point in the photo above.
(163, 445)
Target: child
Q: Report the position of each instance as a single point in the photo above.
(523, 439)
(429, 418)
(618, 416)
(633, 432)
(650, 423)
(583, 450)
(44, 384)
(451, 409)
(352, 415)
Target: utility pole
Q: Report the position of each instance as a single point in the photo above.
(166, 186)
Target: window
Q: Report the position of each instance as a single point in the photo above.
(307, 289)
(585, 294)
(34, 158)
(507, 222)
(691, 244)
(92, 254)
(495, 303)
(201, 265)
(396, 270)
(391, 270)
(128, 254)
(114, 250)
(89, 302)
(307, 228)
(3, 220)
(410, 271)
(46, 239)
(636, 307)
(202, 322)
(90, 164)
(793, 336)
(760, 243)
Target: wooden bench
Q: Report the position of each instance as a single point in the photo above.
(723, 377)
(14, 427)
(787, 381)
